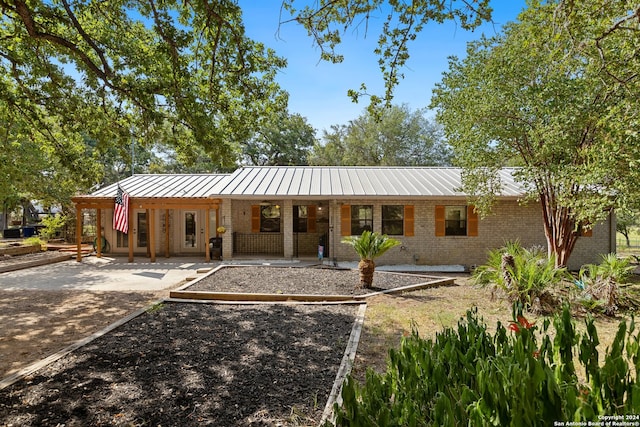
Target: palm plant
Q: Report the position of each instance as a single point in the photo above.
(369, 246)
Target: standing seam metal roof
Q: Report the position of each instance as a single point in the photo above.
(355, 181)
(307, 181)
(161, 185)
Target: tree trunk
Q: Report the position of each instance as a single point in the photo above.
(507, 267)
(559, 229)
(366, 267)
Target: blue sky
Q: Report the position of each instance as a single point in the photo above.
(318, 90)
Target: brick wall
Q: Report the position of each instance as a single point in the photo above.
(509, 221)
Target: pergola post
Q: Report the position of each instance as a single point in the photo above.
(79, 233)
(129, 233)
(207, 227)
(99, 232)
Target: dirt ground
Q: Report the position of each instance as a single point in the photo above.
(35, 324)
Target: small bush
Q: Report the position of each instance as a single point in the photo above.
(601, 283)
(53, 224)
(522, 274)
(35, 241)
(467, 376)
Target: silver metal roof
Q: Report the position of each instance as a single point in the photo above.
(173, 185)
(356, 181)
(307, 182)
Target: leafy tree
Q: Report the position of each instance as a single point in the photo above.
(399, 137)
(139, 64)
(285, 139)
(535, 97)
(626, 221)
(326, 21)
(368, 246)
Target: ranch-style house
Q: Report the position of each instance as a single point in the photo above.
(291, 212)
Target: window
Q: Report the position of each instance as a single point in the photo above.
(142, 230)
(300, 216)
(393, 220)
(455, 221)
(361, 219)
(122, 240)
(270, 219)
(190, 234)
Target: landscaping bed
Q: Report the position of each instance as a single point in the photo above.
(203, 364)
(193, 364)
(297, 280)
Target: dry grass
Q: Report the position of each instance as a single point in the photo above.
(389, 318)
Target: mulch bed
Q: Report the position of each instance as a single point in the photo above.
(299, 280)
(193, 364)
(206, 364)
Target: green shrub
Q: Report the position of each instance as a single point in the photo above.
(35, 240)
(53, 224)
(522, 274)
(601, 282)
(517, 376)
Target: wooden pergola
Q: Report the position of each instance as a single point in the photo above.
(150, 204)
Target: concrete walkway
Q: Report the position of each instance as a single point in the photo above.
(106, 274)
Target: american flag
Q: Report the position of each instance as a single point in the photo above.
(121, 212)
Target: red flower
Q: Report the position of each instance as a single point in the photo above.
(536, 354)
(513, 326)
(524, 322)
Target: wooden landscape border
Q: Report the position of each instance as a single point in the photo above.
(183, 291)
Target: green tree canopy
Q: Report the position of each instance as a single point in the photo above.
(399, 137)
(327, 20)
(538, 96)
(138, 64)
(282, 139)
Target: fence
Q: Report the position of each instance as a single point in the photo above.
(621, 243)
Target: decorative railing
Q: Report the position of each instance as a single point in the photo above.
(258, 244)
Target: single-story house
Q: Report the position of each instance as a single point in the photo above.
(301, 211)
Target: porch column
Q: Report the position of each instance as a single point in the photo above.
(287, 227)
(78, 233)
(207, 230)
(129, 233)
(166, 233)
(99, 233)
(227, 222)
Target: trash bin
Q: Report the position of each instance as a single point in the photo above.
(28, 231)
(11, 233)
(215, 247)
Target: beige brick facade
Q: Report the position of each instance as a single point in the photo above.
(509, 221)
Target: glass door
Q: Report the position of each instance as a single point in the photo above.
(190, 239)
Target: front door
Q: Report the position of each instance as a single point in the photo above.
(141, 235)
(191, 235)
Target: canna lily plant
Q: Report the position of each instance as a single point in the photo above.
(369, 246)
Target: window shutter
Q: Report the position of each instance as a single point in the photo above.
(311, 219)
(440, 223)
(472, 221)
(255, 218)
(345, 220)
(586, 232)
(409, 221)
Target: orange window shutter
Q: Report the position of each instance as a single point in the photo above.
(255, 218)
(409, 213)
(440, 223)
(472, 221)
(311, 219)
(345, 220)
